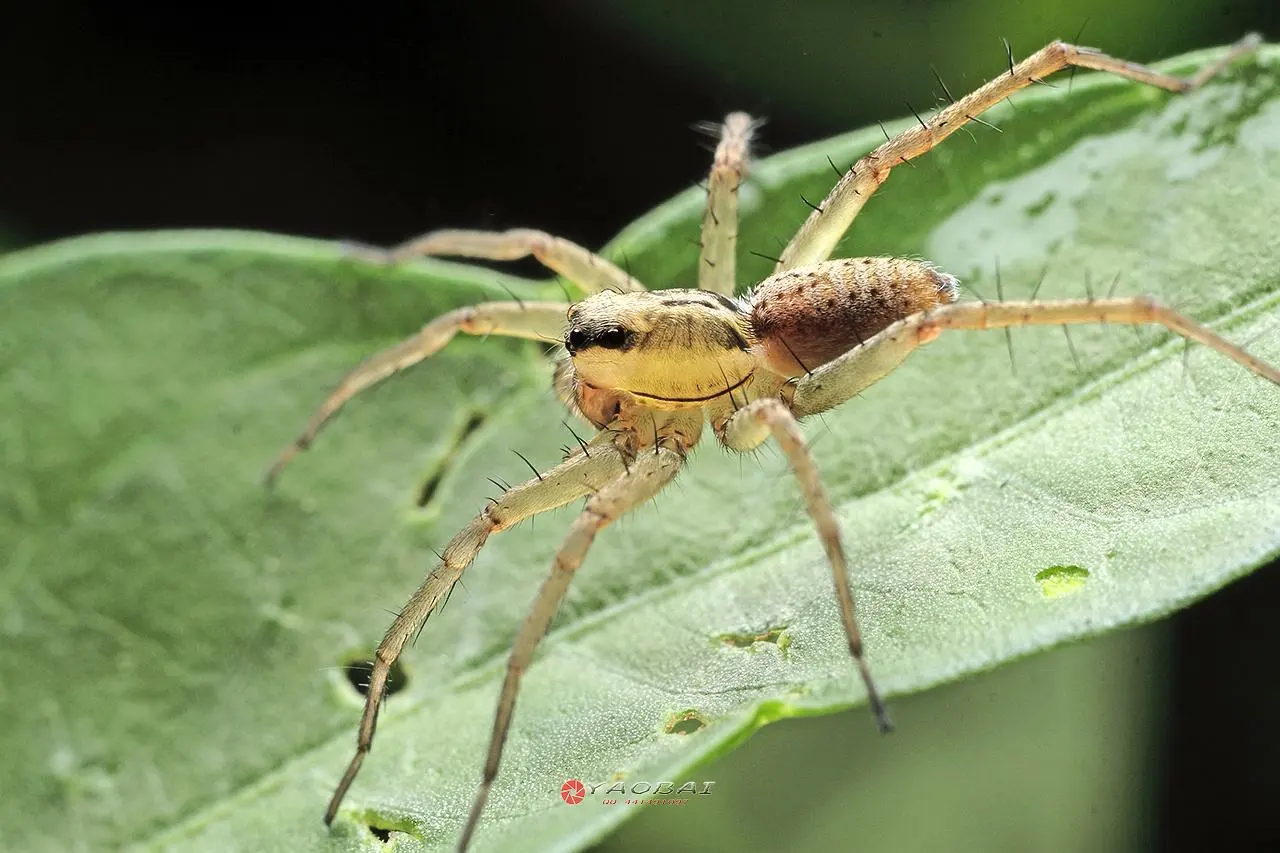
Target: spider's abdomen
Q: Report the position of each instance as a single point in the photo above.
(807, 316)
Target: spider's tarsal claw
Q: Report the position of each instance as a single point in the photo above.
(286, 456)
(273, 473)
(878, 709)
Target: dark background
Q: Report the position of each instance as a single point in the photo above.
(573, 117)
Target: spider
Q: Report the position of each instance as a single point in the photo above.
(650, 369)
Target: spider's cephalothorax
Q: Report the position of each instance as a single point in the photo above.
(651, 369)
(632, 354)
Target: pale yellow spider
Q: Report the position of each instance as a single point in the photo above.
(650, 369)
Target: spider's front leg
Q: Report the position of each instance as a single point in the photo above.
(818, 237)
(751, 426)
(539, 321)
(646, 475)
(599, 463)
(584, 268)
(840, 379)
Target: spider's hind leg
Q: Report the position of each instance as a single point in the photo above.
(818, 236)
(839, 380)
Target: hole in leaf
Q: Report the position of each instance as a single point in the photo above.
(358, 673)
(1038, 207)
(474, 421)
(747, 639)
(1057, 581)
(384, 829)
(685, 723)
(428, 490)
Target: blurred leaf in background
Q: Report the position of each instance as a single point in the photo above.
(833, 62)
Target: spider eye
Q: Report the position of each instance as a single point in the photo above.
(612, 338)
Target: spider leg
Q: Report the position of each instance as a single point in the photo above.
(589, 271)
(647, 475)
(817, 238)
(720, 219)
(860, 367)
(539, 321)
(751, 426)
(578, 475)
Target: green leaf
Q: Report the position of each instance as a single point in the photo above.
(174, 634)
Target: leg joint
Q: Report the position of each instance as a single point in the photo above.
(539, 244)
(493, 516)
(1059, 51)
(1148, 305)
(466, 319)
(771, 410)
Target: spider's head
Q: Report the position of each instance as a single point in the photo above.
(671, 349)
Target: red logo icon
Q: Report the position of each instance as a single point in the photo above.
(573, 792)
